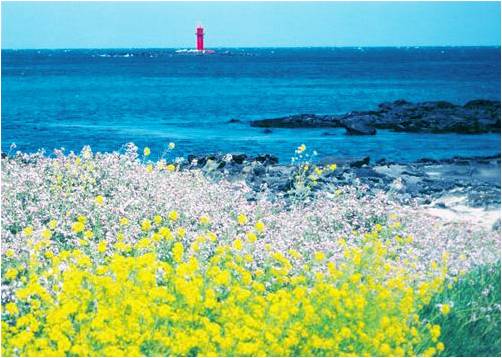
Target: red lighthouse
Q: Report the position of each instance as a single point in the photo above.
(200, 38)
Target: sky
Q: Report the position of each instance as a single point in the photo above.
(248, 24)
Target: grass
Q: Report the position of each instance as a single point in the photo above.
(472, 328)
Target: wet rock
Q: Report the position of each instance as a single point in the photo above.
(359, 124)
(299, 121)
(267, 159)
(477, 116)
(239, 158)
(343, 162)
(234, 120)
(477, 180)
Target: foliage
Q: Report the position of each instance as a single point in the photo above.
(156, 295)
(472, 325)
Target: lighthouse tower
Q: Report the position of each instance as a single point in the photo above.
(200, 38)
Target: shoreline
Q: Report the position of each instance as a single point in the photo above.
(466, 188)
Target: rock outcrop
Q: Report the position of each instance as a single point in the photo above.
(477, 116)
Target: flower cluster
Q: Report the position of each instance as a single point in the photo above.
(156, 294)
(114, 254)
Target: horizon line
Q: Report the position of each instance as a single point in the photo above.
(240, 47)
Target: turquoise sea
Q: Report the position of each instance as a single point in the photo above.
(106, 98)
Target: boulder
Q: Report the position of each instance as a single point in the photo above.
(341, 162)
(359, 126)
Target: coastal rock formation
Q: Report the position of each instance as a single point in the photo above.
(477, 116)
(299, 121)
(471, 182)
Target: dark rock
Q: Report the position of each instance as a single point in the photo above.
(328, 134)
(267, 159)
(482, 104)
(342, 162)
(440, 117)
(267, 131)
(298, 121)
(358, 163)
(234, 120)
(360, 129)
(367, 173)
(239, 158)
(477, 180)
(358, 124)
(496, 225)
(259, 169)
(278, 183)
(477, 116)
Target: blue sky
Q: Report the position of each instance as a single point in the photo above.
(248, 24)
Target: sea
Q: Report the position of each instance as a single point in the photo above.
(106, 98)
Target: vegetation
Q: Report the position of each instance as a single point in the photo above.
(471, 327)
(114, 254)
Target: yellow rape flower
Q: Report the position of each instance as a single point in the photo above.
(99, 200)
(319, 256)
(171, 145)
(146, 151)
(444, 309)
(260, 226)
(238, 244)
(242, 219)
(204, 220)
(124, 221)
(170, 168)
(173, 215)
(177, 252)
(46, 234)
(157, 219)
(82, 219)
(251, 236)
(11, 273)
(53, 224)
(28, 231)
(146, 225)
(11, 308)
(101, 247)
(77, 227)
(181, 232)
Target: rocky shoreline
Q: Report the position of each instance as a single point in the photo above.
(476, 116)
(444, 184)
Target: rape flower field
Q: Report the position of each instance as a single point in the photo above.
(117, 255)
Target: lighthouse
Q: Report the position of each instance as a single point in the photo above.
(199, 48)
(200, 38)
